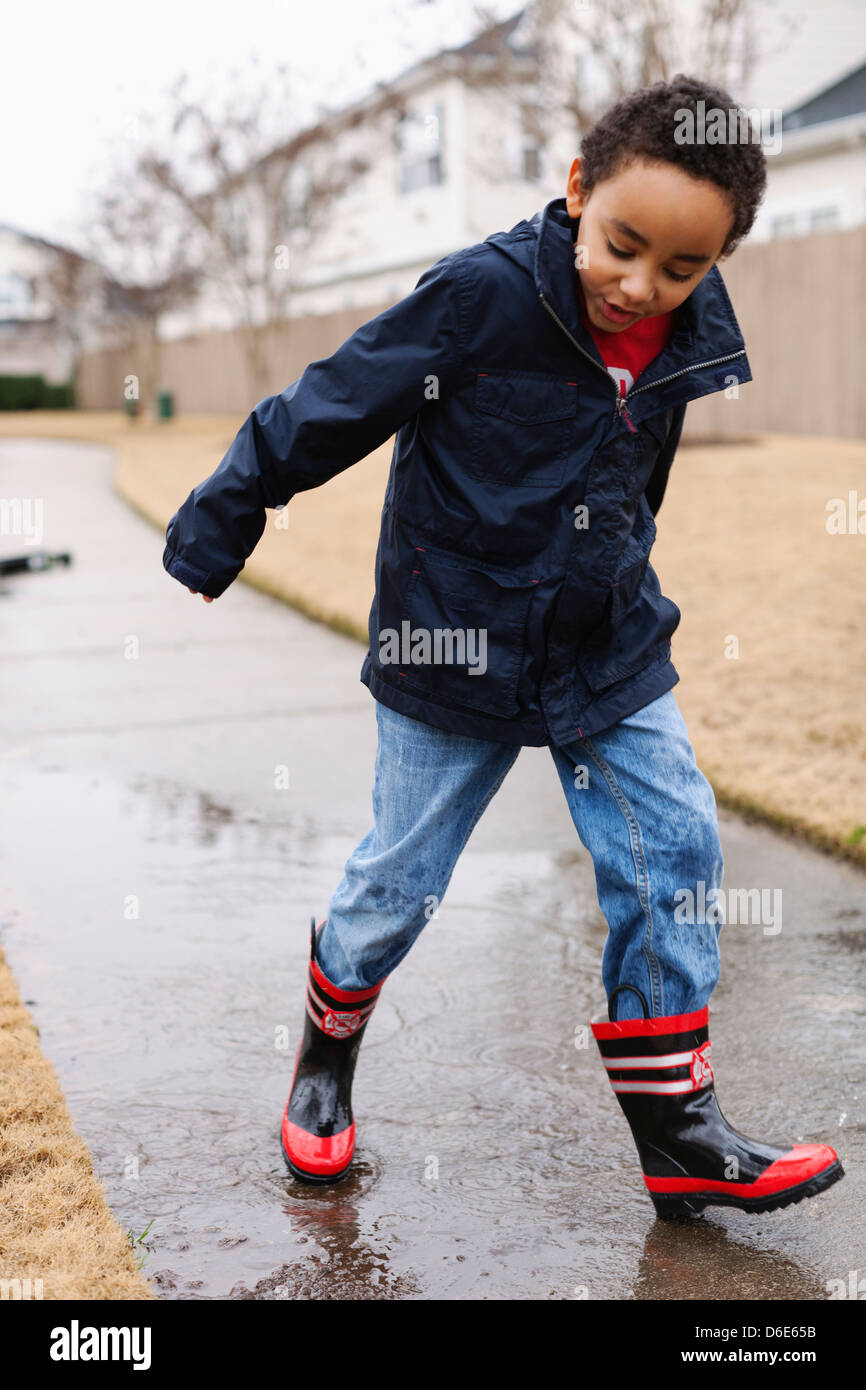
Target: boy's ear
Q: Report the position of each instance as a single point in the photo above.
(575, 197)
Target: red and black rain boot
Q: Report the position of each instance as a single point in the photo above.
(691, 1158)
(318, 1131)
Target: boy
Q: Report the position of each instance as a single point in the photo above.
(515, 605)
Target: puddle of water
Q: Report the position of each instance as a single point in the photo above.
(164, 942)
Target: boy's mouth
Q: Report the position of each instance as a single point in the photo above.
(614, 314)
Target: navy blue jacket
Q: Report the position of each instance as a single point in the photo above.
(520, 508)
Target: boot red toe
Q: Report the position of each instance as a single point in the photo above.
(798, 1165)
(311, 1156)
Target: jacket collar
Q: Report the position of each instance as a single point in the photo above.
(705, 330)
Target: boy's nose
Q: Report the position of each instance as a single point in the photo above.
(637, 292)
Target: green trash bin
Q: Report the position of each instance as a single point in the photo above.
(164, 405)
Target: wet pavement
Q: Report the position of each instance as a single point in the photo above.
(156, 895)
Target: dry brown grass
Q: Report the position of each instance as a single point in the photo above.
(55, 1223)
(744, 550)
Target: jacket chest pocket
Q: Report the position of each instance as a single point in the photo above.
(522, 428)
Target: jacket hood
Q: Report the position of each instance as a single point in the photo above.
(543, 246)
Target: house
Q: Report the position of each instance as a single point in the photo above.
(462, 143)
(447, 151)
(817, 177)
(31, 340)
(54, 304)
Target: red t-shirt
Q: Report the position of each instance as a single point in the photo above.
(628, 353)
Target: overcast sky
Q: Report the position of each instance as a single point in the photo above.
(76, 72)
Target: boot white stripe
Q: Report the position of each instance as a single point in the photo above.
(656, 1088)
(698, 1061)
(362, 1009)
(670, 1059)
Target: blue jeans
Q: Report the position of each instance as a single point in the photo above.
(640, 805)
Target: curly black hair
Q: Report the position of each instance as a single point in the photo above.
(644, 125)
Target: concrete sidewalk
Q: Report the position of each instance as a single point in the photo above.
(158, 894)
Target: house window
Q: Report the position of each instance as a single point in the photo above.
(15, 296)
(531, 165)
(299, 185)
(420, 147)
(530, 143)
(803, 221)
(824, 219)
(785, 225)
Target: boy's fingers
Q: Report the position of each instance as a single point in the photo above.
(204, 596)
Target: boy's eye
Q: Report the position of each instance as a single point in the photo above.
(624, 255)
(616, 251)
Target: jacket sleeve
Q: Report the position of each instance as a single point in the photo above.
(658, 479)
(338, 411)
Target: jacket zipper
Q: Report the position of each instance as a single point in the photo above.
(583, 351)
(621, 409)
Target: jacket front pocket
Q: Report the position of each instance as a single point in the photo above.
(632, 564)
(523, 427)
(641, 638)
(463, 637)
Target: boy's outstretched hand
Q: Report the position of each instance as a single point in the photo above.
(204, 596)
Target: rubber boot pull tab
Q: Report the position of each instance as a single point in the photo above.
(634, 990)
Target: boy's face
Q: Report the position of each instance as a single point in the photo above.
(648, 235)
